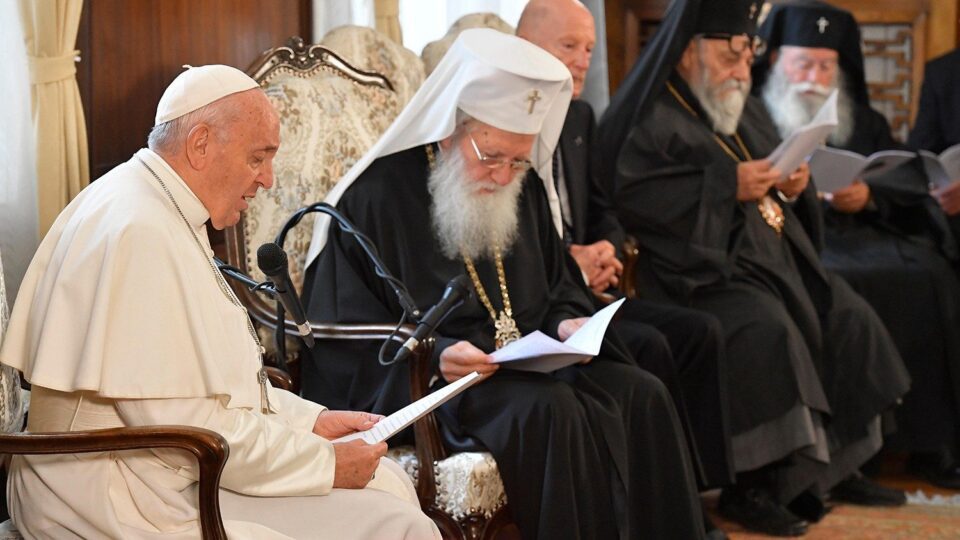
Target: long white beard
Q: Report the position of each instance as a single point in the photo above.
(466, 220)
(724, 112)
(792, 109)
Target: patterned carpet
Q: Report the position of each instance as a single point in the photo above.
(913, 522)
(848, 522)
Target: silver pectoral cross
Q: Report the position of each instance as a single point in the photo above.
(822, 24)
(533, 98)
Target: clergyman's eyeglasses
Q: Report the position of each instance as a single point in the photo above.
(739, 43)
(493, 163)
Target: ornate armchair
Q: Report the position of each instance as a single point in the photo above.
(330, 114)
(210, 449)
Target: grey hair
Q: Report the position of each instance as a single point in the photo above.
(166, 137)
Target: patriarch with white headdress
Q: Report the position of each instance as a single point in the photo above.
(588, 451)
(123, 320)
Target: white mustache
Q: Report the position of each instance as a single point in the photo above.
(805, 86)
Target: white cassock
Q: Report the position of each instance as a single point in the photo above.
(121, 321)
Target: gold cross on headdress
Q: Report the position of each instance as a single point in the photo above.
(533, 98)
(823, 23)
(753, 9)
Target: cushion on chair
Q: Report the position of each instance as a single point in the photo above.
(468, 483)
(365, 48)
(327, 122)
(9, 532)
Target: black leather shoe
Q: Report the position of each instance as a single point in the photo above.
(756, 510)
(932, 469)
(864, 492)
(809, 507)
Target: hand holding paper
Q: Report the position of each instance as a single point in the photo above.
(396, 422)
(802, 142)
(539, 352)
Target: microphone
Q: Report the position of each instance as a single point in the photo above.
(272, 260)
(458, 290)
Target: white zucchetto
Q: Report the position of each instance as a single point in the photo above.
(200, 86)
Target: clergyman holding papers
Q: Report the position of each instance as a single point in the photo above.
(811, 368)
(886, 236)
(593, 450)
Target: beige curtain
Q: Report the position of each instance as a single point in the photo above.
(387, 13)
(50, 34)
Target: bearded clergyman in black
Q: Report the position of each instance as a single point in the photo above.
(887, 237)
(811, 367)
(594, 450)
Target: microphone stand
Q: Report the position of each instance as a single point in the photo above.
(403, 296)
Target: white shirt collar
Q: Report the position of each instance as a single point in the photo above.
(193, 209)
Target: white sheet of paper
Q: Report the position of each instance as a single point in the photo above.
(944, 169)
(398, 421)
(539, 352)
(802, 142)
(833, 168)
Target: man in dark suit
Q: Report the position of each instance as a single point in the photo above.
(681, 346)
(938, 121)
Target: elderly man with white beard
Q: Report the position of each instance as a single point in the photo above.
(589, 451)
(888, 238)
(811, 367)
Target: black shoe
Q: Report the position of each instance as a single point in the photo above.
(859, 490)
(809, 507)
(932, 469)
(756, 510)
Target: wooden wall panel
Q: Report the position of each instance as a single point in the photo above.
(131, 50)
(628, 22)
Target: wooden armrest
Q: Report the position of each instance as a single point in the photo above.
(209, 447)
(631, 254)
(279, 378)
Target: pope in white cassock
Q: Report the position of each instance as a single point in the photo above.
(123, 320)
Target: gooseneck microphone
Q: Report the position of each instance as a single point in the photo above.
(272, 260)
(458, 290)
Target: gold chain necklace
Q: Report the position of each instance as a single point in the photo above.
(771, 212)
(505, 325)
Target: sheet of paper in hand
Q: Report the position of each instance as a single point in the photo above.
(801, 143)
(539, 352)
(942, 170)
(833, 169)
(398, 421)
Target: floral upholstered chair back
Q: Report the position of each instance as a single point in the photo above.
(11, 397)
(330, 114)
(369, 50)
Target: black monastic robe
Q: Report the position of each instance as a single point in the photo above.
(589, 451)
(900, 255)
(682, 347)
(796, 334)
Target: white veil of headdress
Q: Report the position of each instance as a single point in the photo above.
(499, 79)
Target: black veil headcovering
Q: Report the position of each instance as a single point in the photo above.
(647, 78)
(812, 23)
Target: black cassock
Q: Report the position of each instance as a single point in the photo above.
(682, 347)
(900, 255)
(804, 352)
(590, 451)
